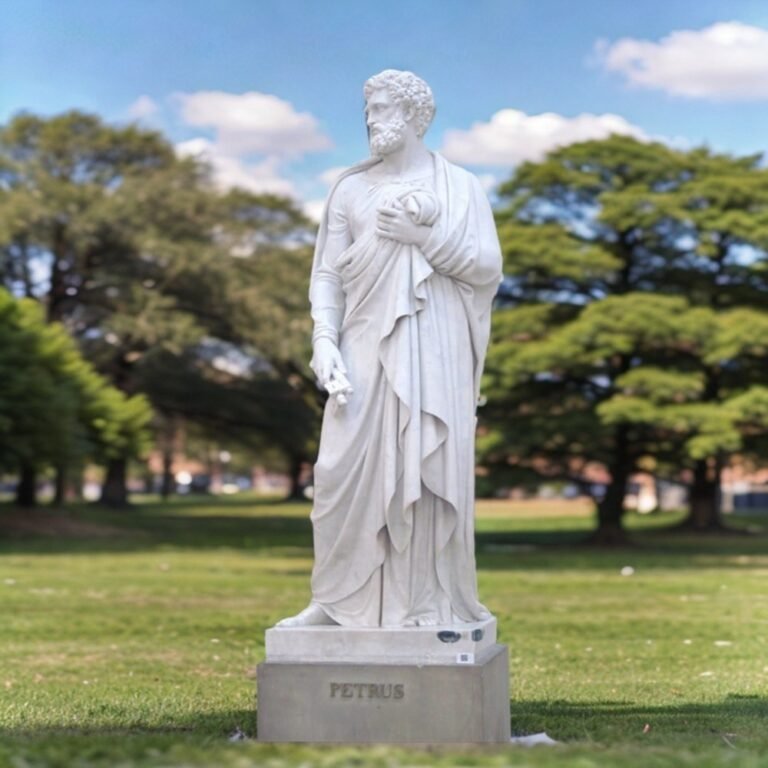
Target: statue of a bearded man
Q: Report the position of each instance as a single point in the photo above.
(406, 267)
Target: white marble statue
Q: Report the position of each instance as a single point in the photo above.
(406, 267)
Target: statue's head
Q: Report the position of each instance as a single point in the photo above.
(396, 102)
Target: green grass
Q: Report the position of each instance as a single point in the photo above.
(131, 639)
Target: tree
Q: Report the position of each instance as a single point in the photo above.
(272, 317)
(249, 380)
(54, 408)
(549, 388)
(68, 187)
(613, 250)
(238, 406)
(145, 263)
(680, 408)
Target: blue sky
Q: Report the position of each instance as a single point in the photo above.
(270, 90)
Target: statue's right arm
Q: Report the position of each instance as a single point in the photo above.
(327, 294)
(327, 314)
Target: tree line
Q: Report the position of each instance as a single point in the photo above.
(158, 278)
(629, 333)
(632, 330)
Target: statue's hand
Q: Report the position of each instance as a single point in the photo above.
(397, 224)
(325, 360)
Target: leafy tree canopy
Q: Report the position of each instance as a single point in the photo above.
(630, 322)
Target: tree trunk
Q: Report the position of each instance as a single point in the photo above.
(704, 499)
(75, 489)
(168, 484)
(114, 492)
(60, 486)
(148, 479)
(26, 488)
(168, 442)
(57, 292)
(295, 471)
(610, 509)
(68, 484)
(215, 480)
(704, 503)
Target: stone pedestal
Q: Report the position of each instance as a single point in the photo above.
(410, 685)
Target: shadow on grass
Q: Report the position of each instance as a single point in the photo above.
(217, 725)
(649, 548)
(91, 529)
(736, 716)
(253, 525)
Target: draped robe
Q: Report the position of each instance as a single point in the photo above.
(393, 514)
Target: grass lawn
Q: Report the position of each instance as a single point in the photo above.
(131, 639)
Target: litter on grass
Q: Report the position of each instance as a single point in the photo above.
(533, 740)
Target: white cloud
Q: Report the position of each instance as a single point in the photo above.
(231, 171)
(329, 176)
(253, 122)
(726, 61)
(253, 135)
(142, 108)
(511, 136)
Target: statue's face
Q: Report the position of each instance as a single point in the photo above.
(386, 123)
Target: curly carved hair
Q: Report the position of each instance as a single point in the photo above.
(406, 89)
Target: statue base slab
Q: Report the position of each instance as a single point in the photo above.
(396, 703)
(446, 644)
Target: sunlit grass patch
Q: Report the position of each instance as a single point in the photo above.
(139, 648)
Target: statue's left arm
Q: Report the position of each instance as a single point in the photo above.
(464, 244)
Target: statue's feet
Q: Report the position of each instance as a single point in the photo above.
(422, 620)
(432, 620)
(312, 616)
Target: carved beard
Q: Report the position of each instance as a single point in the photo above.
(388, 138)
